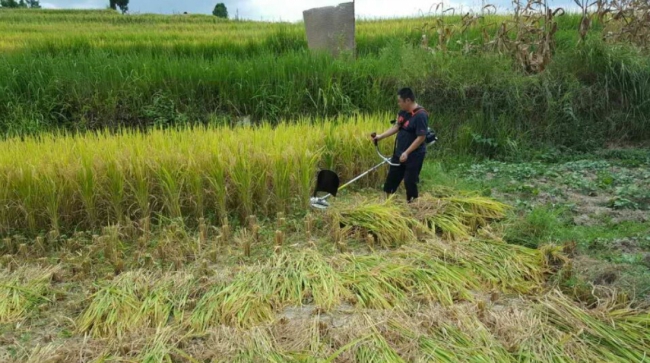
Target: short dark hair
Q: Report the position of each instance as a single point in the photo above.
(406, 93)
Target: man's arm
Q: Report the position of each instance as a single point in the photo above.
(388, 133)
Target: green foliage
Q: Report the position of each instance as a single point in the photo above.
(209, 68)
(123, 5)
(32, 4)
(534, 228)
(220, 11)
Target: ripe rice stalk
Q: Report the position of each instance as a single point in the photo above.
(133, 300)
(216, 179)
(64, 181)
(376, 350)
(26, 191)
(243, 179)
(115, 189)
(282, 185)
(196, 191)
(4, 201)
(601, 333)
(139, 182)
(504, 266)
(23, 291)
(305, 277)
(259, 345)
(457, 216)
(164, 345)
(236, 304)
(303, 174)
(171, 183)
(436, 280)
(113, 308)
(375, 283)
(286, 279)
(86, 183)
(384, 219)
(203, 232)
(53, 191)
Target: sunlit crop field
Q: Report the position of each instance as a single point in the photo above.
(155, 176)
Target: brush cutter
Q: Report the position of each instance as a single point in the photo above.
(328, 181)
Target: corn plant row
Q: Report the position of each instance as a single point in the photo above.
(59, 182)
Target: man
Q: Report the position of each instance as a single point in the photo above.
(411, 129)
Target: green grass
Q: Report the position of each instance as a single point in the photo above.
(595, 201)
(197, 69)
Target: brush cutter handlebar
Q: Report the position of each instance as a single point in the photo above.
(384, 158)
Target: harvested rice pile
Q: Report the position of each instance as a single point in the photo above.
(369, 281)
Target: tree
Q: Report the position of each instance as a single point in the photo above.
(122, 4)
(34, 4)
(8, 3)
(220, 11)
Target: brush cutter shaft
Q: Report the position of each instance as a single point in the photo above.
(355, 179)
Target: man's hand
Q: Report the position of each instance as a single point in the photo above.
(404, 157)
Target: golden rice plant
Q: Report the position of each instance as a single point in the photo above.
(163, 346)
(457, 216)
(134, 300)
(59, 181)
(616, 333)
(23, 291)
(385, 219)
(286, 279)
(236, 304)
(390, 280)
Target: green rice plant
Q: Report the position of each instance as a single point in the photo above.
(23, 291)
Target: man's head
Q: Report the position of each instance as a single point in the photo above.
(406, 99)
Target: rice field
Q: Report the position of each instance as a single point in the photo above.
(155, 175)
(152, 70)
(62, 183)
(319, 293)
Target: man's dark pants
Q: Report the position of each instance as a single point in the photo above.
(409, 172)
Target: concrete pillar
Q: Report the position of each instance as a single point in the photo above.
(331, 28)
